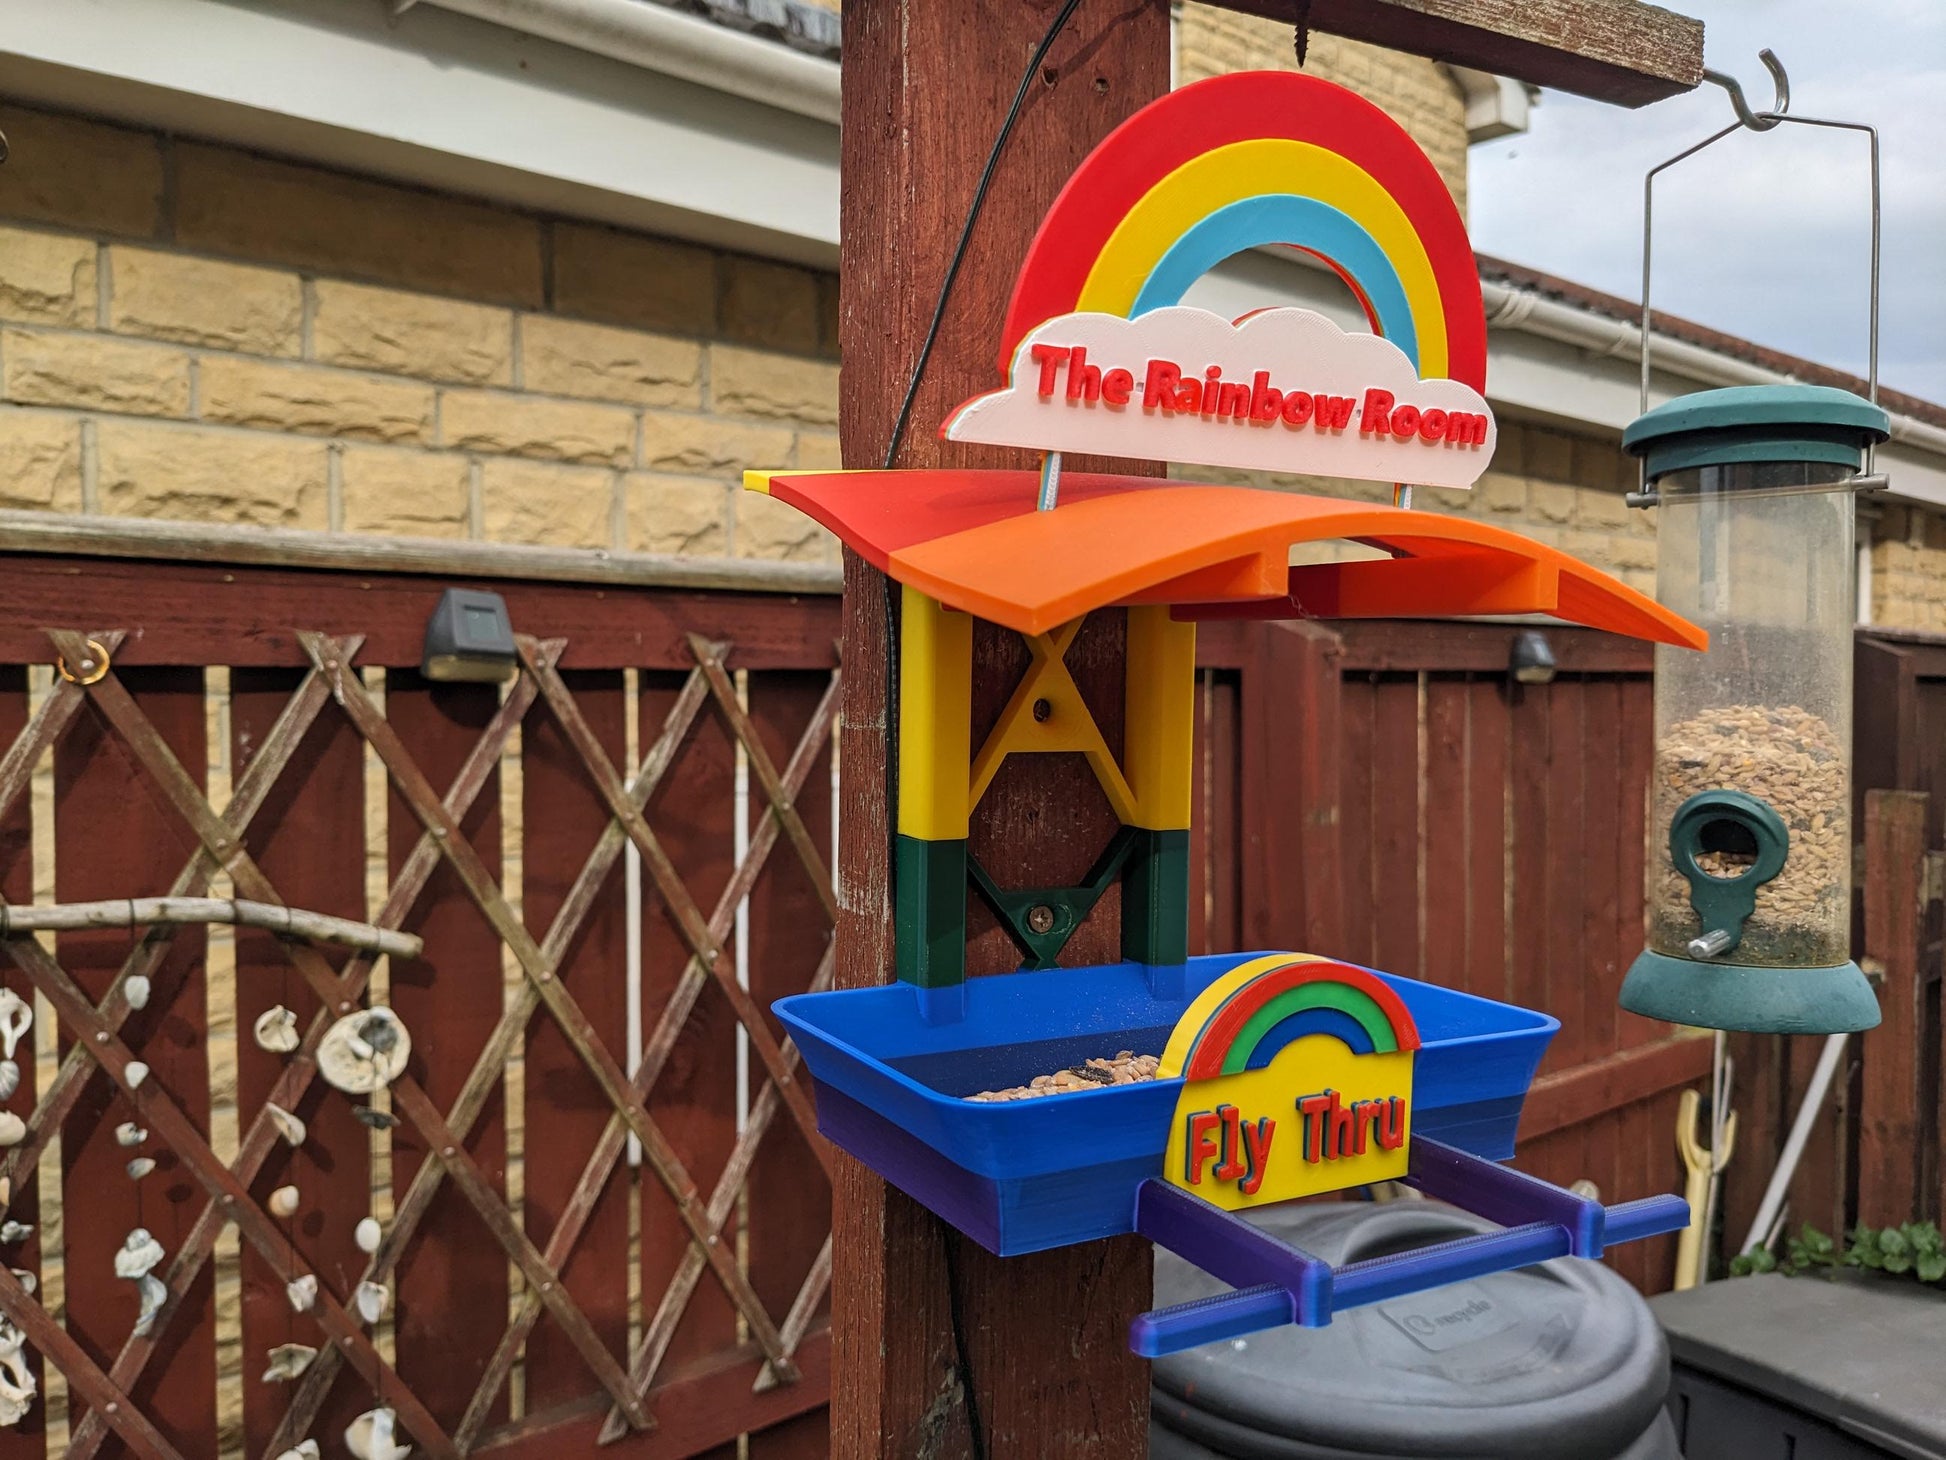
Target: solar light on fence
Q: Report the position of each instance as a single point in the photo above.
(469, 639)
(1531, 660)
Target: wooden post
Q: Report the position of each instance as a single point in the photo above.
(926, 85)
(1891, 1131)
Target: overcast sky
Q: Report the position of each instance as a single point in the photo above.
(1764, 235)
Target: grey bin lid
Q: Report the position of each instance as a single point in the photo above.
(1553, 1362)
(1860, 1352)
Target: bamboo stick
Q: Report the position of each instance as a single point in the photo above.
(128, 912)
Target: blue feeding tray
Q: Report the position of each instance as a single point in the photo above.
(1024, 1175)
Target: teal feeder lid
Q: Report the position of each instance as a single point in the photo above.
(1750, 424)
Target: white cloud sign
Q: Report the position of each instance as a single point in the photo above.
(1282, 390)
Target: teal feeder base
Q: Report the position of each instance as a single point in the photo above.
(1837, 1000)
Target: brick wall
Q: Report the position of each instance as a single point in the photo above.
(1419, 93)
(190, 331)
(1909, 569)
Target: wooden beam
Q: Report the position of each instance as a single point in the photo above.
(1046, 1370)
(1569, 1097)
(1616, 51)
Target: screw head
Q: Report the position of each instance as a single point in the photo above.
(1043, 710)
(1040, 918)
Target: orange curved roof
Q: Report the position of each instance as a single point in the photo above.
(974, 541)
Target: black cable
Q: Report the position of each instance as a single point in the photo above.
(976, 1439)
(966, 232)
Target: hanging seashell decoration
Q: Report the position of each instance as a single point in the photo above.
(288, 1126)
(16, 1379)
(283, 1202)
(135, 1073)
(141, 1166)
(368, 1235)
(276, 1030)
(16, 1018)
(364, 1051)
(13, 1130)
(370, 1436)
(26, 1279)
(288, 1361)
(371, 1300)
(153, 1295)
(139, 1255)
(302, 1450)
(128, 1133)
(12, 1232)
(302, 1292)
(136, 990)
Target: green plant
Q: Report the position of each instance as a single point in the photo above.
(1914, 1247)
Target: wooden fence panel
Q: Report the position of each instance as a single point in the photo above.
(451, 1294)
(309, 838)
(695, 1099)
(114, 831)
(787, 946)
(133, 815)
(563, 1111)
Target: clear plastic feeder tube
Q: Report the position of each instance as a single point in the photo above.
(1753, 737)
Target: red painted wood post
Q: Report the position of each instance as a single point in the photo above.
(1889, 1126)
(926, 86)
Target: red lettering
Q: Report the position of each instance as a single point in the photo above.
(1432, 424)
(1391, 1134)
(1256, 1139)
(1405, 421)
(1333, 412)
(1368, 1112)
(1115, 386)
(1297, 407)
(1084, 380)
(1199, 1150)
(1212, 380)
(1372, 419)
(1159, 386)
(1189, 397)
(1266, 400)
(1050, 358)
(1233, 1165)
(1465, 428)
(1342, 1121)
(1312, 1108)
(1233, 401)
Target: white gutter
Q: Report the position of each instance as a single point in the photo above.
(1533, 313)
(658, 39)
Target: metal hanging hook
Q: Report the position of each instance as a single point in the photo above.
(1757, 121)
(1763, 122)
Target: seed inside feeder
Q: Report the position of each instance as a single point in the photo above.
(1126, 1068)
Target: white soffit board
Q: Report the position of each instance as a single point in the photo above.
(442, 100)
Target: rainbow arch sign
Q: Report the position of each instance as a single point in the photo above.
(1297, 1079)
(1100, 355)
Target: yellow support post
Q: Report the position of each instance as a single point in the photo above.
(935, 718)
(1159, 731)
